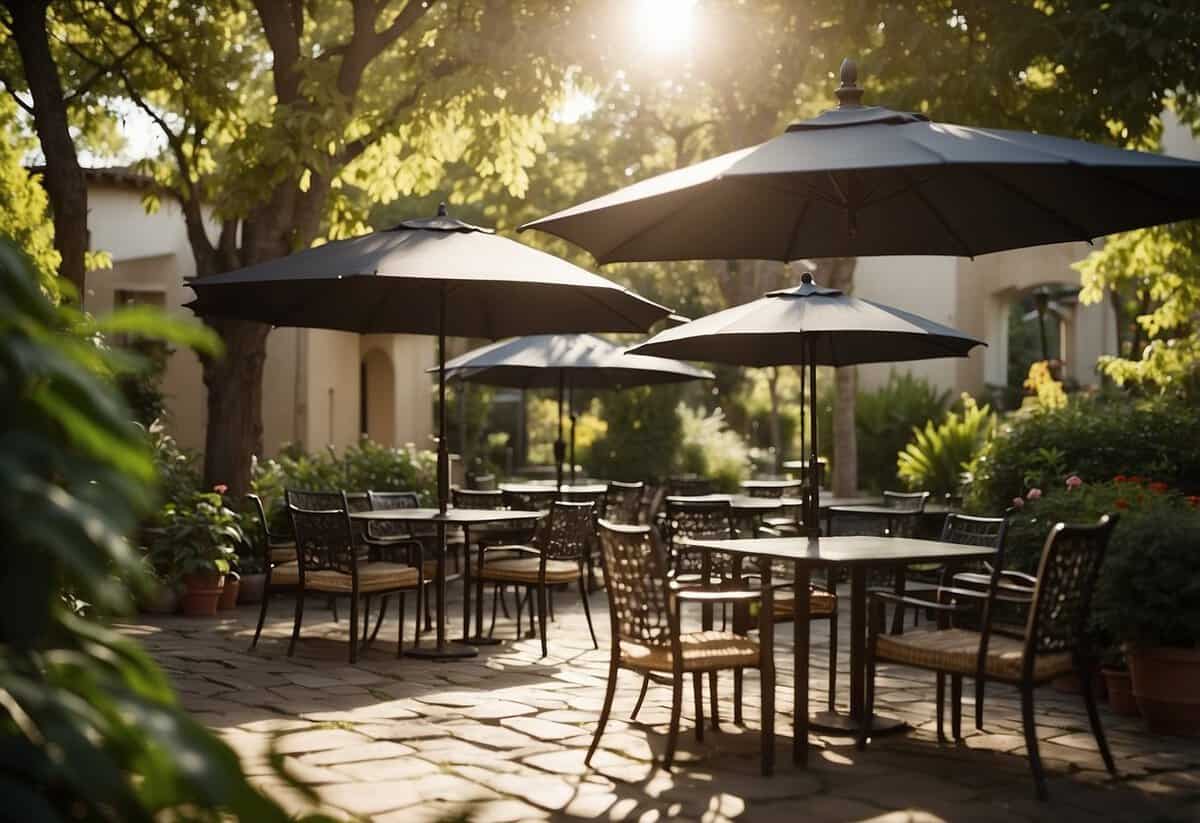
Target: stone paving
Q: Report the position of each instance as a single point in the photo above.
(501, 737)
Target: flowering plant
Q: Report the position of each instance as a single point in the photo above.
(199, 534)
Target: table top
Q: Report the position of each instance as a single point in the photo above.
(828, 501)
(458, 516)
(535, 488)
(886, 511)
(772, 484)
(856, 550)
(739, 502)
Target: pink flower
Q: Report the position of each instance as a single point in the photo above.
(220, 488)
(1018, 502)
(1074, 481)
(1033, 494)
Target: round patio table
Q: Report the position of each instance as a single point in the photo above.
(858, 554)
(779, 487)
(535, 488)
(464, 518)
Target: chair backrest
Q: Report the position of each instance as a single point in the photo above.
(635, 579)
(775, 490)
(701, 520)
(905, 501)
(483, 482)
(325, 539)
(623, 501)
(314, 501)
(1066, 577)
(567, 531)
(975, 531)
(477, 499)
(688, 485)
(382, 501)
(529, 500)
(264, 528)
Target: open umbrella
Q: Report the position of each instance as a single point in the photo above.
(429, 276)
(865, 180)
(809, 326)
(568, 362)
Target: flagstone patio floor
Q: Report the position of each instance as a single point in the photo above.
(502, 736)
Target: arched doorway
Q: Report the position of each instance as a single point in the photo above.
(377, 397)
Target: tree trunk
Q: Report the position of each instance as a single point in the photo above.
(776, 433)
(838, 273)
(234, 432)
(63, 178)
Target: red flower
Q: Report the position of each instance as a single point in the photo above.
(1120, 478)
(1194, 501)
(220, 488)
(1136, 479)
(1159, 487)
(1121, 503)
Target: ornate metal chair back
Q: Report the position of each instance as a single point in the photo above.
(1066, 577)
(905, 501)
(382, 501)
(567, 531)
(483, 482)
(623, 501)
(529, 500)
(635, 577)
(699, 520)
(477, 499)
(685, 486)
(325, 539)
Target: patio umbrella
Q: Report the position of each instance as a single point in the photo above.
(568, 362)
(865, 180)
(809, 326)
(428, 276)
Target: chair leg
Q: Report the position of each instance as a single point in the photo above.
(713, 706)
(428, 616)
(332, 603)
(737, 696)
(1089, 700)
(1031, 742)
(833, 661)
(383, 608)
(541, 605)
(673, 729)
(550, 604)
(400, 631)
(956, 706)
(941, 707)
(587, 610)
(497, 597)
(980, 686)
(607, 707)
(864, 731)
(698, 695)
(262, 616)
(296, 621)
(353, 629)
(637, 707)
(366, 627)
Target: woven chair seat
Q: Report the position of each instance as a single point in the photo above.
(525, 570)
(372, 577)
(283, 552)
(701, 651)
(957, 651)
(820, 603)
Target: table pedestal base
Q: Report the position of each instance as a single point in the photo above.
(838, 723)
(456, 652)
(479, 640)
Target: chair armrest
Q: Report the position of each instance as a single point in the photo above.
(767, 531)
(1003, 594)
(1020, 578)
(515, 549)
(718, 595)
(916, 602)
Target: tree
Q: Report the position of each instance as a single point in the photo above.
(23, 203)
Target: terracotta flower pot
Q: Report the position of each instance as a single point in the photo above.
(252, 588)
(1120, 691)
(201, 592)
(164, 601)
(1166, 684)
(229, 594)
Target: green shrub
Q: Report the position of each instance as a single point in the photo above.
(884, 420)
(939, 455)
(1149, 587)
(200, 534)
(711, 449)
(644, 434)
(1095, 438)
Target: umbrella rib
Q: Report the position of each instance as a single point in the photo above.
(1080, 232)
(937, 214)
(606, 256)
(791, 242)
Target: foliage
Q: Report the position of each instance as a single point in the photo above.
(711, 449)
(940, 454)
(1092, 437)
(542, 430)
(644, 434)
(1149, 588)
(177, 469)
(198, 534)
(1045, 392)
(885, 419)
(1152, 277)
(91, 726)
(24, 211)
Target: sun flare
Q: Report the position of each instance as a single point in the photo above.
(664, 26)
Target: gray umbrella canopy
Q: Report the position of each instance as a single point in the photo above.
(567, 362)
(582, 361)
(431, 276)
(395, 281)
(809, 326)
(865, 180)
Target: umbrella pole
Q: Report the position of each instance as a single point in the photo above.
(814, 467)
(443, 454)
(571, 412)
(560, 447)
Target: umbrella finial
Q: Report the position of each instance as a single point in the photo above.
(849, 95)
(806, 277)
(442, 209)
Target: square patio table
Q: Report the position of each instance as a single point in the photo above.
(858, 554)
(464, 518)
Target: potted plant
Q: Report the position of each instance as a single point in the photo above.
(1119, 685)
(1149, 600)
(229, 592)
(253, 577)
(197, 537)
